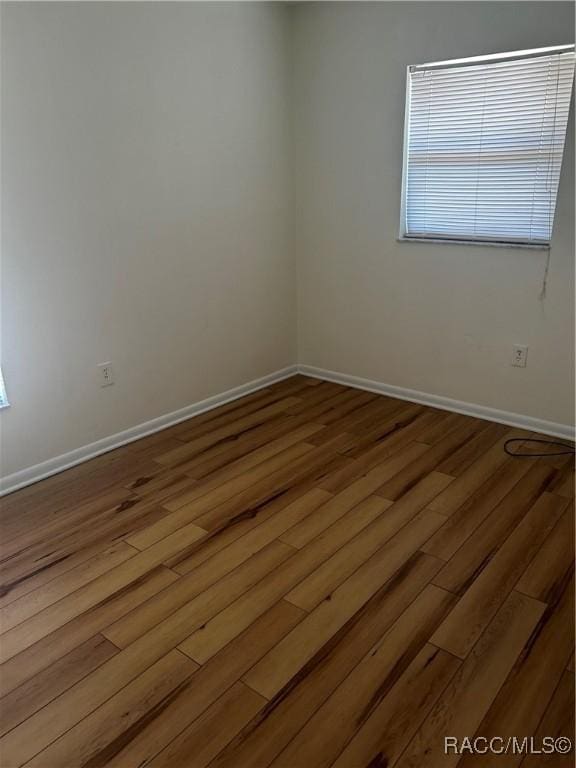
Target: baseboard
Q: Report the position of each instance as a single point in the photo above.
(551, 428)
(38, 472)
(41, 471)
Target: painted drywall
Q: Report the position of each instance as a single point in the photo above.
(168, 166)
(145, 187)
(441, 319)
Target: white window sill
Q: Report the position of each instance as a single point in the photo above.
(485, 243)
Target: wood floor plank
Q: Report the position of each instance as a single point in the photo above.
(206, 737)
(55, 524)
(213, 420)
(530, 686)
(177, 726)
(222, 454)
(133, 625)
(370, 528)
(295, 386)
(359, 421)
(474, 611)
(34, 694)
(19, 610)
(347, 499)
(281, 719)
(29, 738)
(565, 484)
(397, 435)
(441, 423)
(309, 546)
(22, 561)
(462, 459)
(462, 523)
(382, 736)
(546, 572)
(56, 615)
(160, 483)
(399, 425)
(123, 466)
(263, 461)
(394, 488)
(476, 475)
(322, 408)
(254, 458)
(324, 579)
(35, 580)
(54, 646)
(206, 591)
(242, 406)
(185, 512)
(558, 721)
(333, 725)
(42, 576)
(461, 570)
(63, 494)
(86, 743)
(191, 448)
(278, 666)
(43, 561)
(325, 391)
(310, 467)
(254, 531)
(216, 633)
(350, 403)
(469, 694)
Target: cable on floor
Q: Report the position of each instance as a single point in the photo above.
(568, 449)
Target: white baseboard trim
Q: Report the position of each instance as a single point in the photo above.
(551, 428)
(33, 474)
(38, 472)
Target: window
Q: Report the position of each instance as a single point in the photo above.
(483, 146)
(3, 399)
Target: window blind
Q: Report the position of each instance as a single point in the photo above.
(483, 146)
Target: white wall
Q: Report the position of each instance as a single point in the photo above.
(439, 319)
(166, 166)
(145, 196)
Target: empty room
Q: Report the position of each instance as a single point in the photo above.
(287, 384)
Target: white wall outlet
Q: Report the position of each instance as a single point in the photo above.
(519, 355)
(106, 374)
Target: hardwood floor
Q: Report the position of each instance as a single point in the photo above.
(310, 576)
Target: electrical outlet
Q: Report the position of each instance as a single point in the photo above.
(519, 355)
(106, 374)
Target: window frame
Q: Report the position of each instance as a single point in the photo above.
(403, 236)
